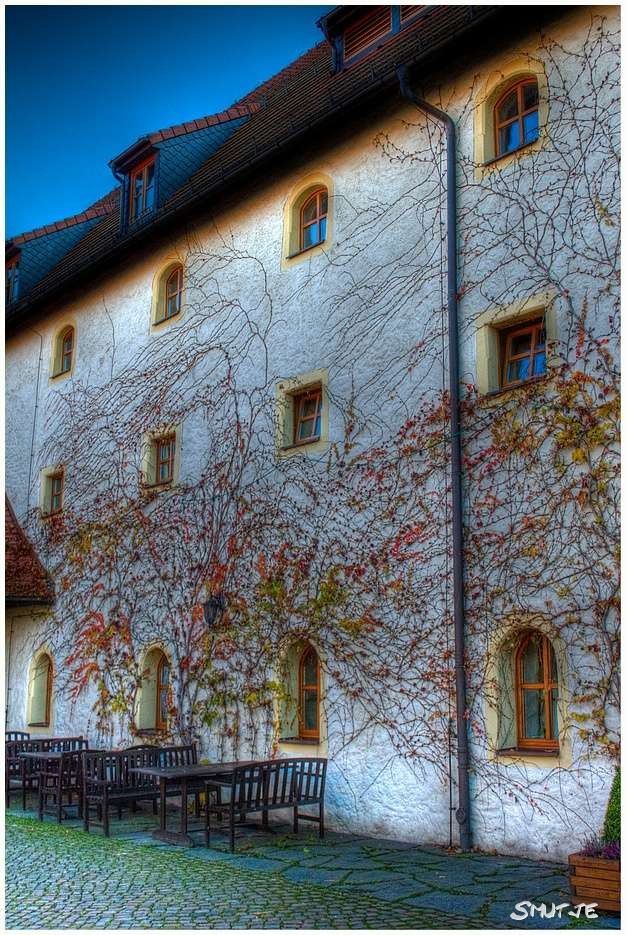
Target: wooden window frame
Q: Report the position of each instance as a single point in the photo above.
(141, 170)
(49, 680)
(535, 326)
(57, 476)
(298, 400)
(550, 743)
(319, 217)
(167, 295)
(170, 460)
(61, 354)
(519, 117)
(163, 660)
(303, 732)
(12, 269)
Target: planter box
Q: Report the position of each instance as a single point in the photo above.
(595, 880)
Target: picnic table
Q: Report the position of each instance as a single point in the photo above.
(186, 779)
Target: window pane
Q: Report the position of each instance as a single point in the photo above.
(532, 661)
(554, 702)
(149, 199)
(508, 107)
(306, 429)
(310, 710)
(309, 406)
(310, 669)
(318, 425)
(520, 344)
(310, 211)
(165, 675)
(518, 370)
(509, 137)
(531, 95)
(149, 174)
(323, 229)
(324, 203)
(173, 304)
(163, 705)
(539, 364)
(534, 715)
(310, 236)
(531, 127)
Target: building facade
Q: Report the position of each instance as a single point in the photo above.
(228, 429)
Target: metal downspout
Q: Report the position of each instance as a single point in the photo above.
(463, 809)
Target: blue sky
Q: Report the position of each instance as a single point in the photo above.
(82, 83)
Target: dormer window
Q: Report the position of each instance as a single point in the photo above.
(355, 32)
(12, 278)
(142, 189)
(366, 31)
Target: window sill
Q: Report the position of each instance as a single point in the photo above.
(148, 488)
(38, 724)
(529, 751)
(513, 152)
(314, 246)
(308, 741)
(302, 444)
(514, 387)
(159, 322)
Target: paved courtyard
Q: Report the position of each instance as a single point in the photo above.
(60, 877)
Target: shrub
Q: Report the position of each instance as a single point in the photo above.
(612, 818)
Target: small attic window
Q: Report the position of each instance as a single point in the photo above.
(362, 34)
(355, 32)
(12, 279)
(142, 188)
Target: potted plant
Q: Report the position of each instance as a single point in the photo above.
(594, 872)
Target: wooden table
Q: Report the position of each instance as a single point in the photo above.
(183, 776)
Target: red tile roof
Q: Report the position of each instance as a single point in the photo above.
(26, 580)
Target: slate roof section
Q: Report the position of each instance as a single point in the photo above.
(40, 253)
(26, 580)
(279, 113)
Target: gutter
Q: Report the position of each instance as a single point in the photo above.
(463, 809)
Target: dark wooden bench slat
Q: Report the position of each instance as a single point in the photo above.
(273, 784)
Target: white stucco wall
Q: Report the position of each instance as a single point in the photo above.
(380, 206)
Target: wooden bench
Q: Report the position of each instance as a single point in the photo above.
(262, 787)
(108, 779)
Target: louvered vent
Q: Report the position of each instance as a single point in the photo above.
(366, 31)
(406, 12)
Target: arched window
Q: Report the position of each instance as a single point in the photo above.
(313, 219)
(162, 690)
(173, 292)
(63, 352)
(536, 693)
(40, 692)
(309, 695)
(516, 116)
(168, 294)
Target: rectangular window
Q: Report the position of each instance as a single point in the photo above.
(12, 277)
(55, 501)
(366, 31)
(307, 416)
(165, 451)
(523, 353)
(142, 184)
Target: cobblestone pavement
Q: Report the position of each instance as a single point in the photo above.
(60, 877)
